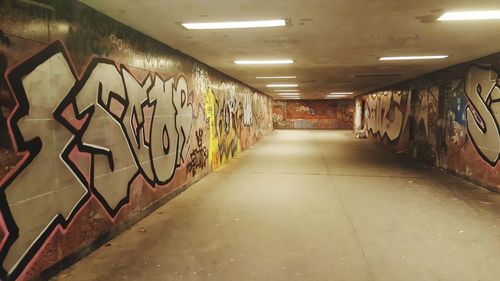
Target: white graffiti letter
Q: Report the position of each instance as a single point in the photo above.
(483, 113)
(46, 190)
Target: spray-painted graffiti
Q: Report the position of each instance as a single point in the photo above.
(453, 120)
(313, 114)
(456, 115)
(358, 117)
(426, 140)
(98, 129)
(247, 110)
(262, 119)
(482, 88)
(114, 128)
(279, 112)
(458, 103)
(387, 113)
(306, 109)
(426, 107)
(345, 112)
(198, 156)
(201, 79)
(227, 124)
(122, 45)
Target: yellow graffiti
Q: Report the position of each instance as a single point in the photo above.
(213, 149)
(225, 121)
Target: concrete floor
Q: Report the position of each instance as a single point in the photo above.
(312, 205)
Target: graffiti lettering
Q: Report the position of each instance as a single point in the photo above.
(199, 155)
(121, 45)
(227, 127)
(483, 112)
(306, 109)
(113, 129)
(279, 111)
(262, 116)
(37, 136)
(158, 61)
(247, 110)
(201, 79)
(358, 116)
(387, 113)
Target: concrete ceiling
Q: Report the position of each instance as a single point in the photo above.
(331, 41)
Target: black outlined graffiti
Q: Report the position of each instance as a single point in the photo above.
(483, 111)
(39, 161)
(199, 156)
(388, 113)
(227, 121)
(113, 129)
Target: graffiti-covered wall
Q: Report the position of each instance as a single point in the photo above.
(450, 119)
(313, 114)
(99, 122)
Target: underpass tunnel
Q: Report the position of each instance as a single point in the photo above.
(249, 140)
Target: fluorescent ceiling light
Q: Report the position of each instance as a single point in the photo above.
(470, 15)
(282, 85)
(235, 24)
(415, 57)
(334, 97)
(286, 61)
(276, 77)
(290, 90)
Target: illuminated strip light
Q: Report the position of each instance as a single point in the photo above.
(336, 96)
(282, 85)
(470, 15)
(235, 24)
(414, 58)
